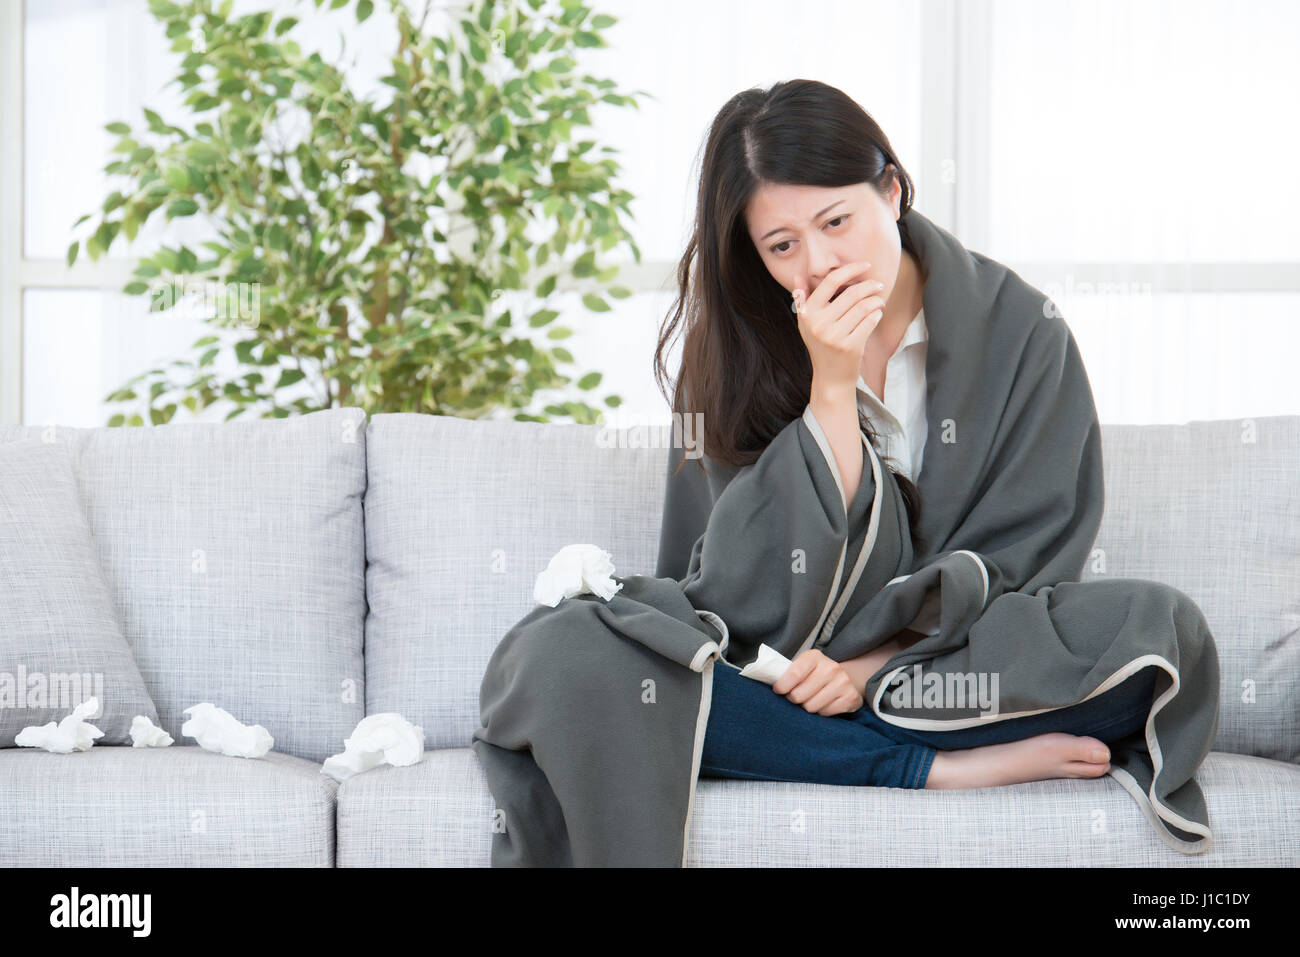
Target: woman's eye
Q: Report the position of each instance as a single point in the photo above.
(777, 248)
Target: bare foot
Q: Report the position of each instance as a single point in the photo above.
(1052, 755)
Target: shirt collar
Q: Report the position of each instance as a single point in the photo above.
(917, 331)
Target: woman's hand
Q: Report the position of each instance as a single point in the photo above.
(818, 683)
(836, 332)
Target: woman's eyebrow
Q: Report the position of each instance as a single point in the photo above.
(817, 215)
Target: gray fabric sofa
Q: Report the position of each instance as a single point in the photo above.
(302, 573)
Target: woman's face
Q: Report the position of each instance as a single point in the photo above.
(803, 232)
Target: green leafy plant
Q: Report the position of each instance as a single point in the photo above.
(367, 252)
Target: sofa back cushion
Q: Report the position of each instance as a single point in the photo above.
(61, 639)
(461, 516)
(234, 552)
(1213, 509)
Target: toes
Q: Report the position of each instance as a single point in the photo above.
(1089, 751)
(1087, 770)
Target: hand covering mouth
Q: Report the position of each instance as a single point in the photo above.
(851, 282)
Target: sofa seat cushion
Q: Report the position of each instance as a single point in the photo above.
(439, 813)
(179, 806)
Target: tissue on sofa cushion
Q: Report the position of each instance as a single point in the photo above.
(61, 635)
(72, 733)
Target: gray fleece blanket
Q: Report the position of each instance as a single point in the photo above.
(593, 712)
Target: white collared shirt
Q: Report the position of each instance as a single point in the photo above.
(900, 420)
(901, 426)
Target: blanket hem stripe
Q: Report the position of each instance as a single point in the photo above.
(957, 724)
(1157, 757)
(868, 546)
(702, 715)
(813, 426)
(1129, 783)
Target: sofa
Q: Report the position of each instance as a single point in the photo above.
(305, 572)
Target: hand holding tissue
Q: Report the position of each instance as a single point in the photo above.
(384, 738)
(72, 733)
(767, 667)
(216, 729)
(576, 570)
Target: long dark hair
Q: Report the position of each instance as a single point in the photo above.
(744, 364)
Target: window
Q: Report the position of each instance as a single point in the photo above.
(1136, 166)
(1119, 156)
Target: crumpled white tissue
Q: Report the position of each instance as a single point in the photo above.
(146, 734)
(216, 729)
(767, 667)
(381, 738)
(72, 733)
(576, 570)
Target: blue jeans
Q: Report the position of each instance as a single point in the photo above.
(756, 734)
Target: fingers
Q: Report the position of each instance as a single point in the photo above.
(813, 680)
(835, 321)
(849, 701)
(832, 281)
(836, 694)
(835, 697)
(798, 669)
(870, 291)
(820, 702)
(864, 314)
(811, 685)
(873, 288)
(819, 684)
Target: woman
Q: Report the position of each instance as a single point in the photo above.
(801, 195)
(949, 645)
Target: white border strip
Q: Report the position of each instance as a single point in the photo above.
(868, 545)
(705, 667)
(823, 443)
(983, 572)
